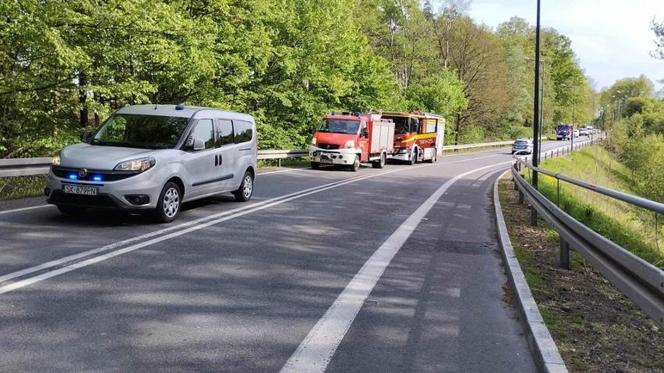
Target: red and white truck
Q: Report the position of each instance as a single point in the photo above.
(418, 136)
(348, 139)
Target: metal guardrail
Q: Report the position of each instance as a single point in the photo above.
(473, 146)
(40, 166)
(639, 280)
(24, 166)
(282, 154)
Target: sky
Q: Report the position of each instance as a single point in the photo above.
(612, 38)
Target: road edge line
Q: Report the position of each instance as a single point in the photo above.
(540, 341)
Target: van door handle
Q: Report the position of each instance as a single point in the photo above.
(220, 159)
(216, 160)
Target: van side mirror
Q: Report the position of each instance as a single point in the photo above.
(364, 133)
(193, 143)
(86, 136)
(199, 144)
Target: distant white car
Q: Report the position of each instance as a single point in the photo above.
(576, 133)
(522, 146)
(584, 131)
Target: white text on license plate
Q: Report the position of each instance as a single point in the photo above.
(87, 190)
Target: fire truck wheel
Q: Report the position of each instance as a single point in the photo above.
(380, 163)
(356, 164)
(315, 165)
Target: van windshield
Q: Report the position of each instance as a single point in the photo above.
(141, 131)
(340, 126)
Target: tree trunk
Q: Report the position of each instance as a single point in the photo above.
(82, 97)
(457, 128)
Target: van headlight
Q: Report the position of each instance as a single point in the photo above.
(139, 165)
(313, 141)
(350, 144)
(55, 161)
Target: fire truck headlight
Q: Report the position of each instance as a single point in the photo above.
(350, 144)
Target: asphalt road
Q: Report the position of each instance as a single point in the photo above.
(392, 270)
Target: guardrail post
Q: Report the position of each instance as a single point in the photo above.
(564, 254)
(279, 162)
(533, 216)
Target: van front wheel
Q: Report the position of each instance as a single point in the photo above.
(170, 200)
(246, 189)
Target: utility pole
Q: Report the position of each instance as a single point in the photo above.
(536, 113)
(541, 111)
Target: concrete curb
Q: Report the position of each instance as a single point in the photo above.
(541, 343)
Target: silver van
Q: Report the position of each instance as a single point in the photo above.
(152, 158)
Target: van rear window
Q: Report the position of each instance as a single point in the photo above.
(244, 131)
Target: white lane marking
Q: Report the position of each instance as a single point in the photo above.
(23, 209)
(117, 244)
(280, 171)
(218, 218)
(316, 350)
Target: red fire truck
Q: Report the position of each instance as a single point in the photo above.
(347, 139)
(418, 136)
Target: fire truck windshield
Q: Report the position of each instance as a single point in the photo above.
(340, 126)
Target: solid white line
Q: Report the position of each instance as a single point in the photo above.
(23, 209)
(216, 219)
(316, 350)
(118, 244)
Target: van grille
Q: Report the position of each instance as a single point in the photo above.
(64, 173)
(328, 146)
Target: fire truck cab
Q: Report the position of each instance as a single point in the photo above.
(347, 139)
(418, 136)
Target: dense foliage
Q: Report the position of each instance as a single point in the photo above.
(65, 65)
(636, 116)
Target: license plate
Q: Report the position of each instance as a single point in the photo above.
(87, 190)
(325, 160)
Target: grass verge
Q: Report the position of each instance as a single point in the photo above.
(633, 228)
(21, 187)
(595, 327)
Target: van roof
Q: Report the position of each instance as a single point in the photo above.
(182, 111)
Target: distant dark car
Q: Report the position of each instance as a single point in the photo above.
(564, 132)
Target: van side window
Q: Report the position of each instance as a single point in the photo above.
(243, 131)
(205, 132)
(224, 132)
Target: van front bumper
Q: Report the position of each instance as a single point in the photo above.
(139, 192)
